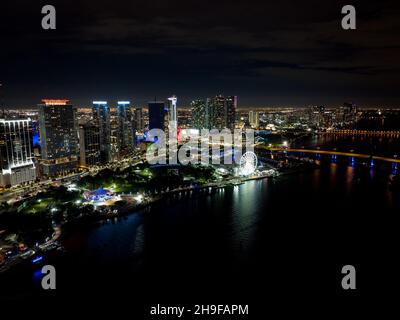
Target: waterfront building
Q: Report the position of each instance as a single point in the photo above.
(156, 115)
(172, 114)
(138, 120)
(89, 145)
(230, 112)
(215, 113)
(101, 117)
(58, 137)
(114, 134)
(200, 117)
(349, 115)
(16, 152)
(126, 134)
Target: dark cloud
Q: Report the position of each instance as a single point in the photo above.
(286, 52)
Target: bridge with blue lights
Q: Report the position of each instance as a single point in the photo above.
(330, 152)
(372, 133)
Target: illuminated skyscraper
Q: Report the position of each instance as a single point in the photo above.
(254, 119)
(230, 112)
(216, 109)
(89, 145)
(156, 115)
(16, 164)
(114, 134)
(349, 115)
(101, 117)
(125, 127)
(214, 113)
(172, 117)
(58, 137)
(200, 114)
(138, 120)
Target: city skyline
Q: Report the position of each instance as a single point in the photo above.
(173, 159)
(187, 106)
(72, 140)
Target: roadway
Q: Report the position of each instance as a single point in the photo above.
(25, 191)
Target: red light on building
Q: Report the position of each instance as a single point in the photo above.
(55, 102)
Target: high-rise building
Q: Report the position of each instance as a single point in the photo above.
(89, 145)
(125, 127)
(349, 115)
(215, 113)
(101, 117)
(138, 120)
(58, 137)
(114, 135)
(230, 112)
(156, 115)
(172, 115)
(317, 116)
(254, 119)
(200, 114)
(16, 152)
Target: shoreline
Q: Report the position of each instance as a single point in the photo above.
(66, 228)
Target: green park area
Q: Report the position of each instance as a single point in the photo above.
(31, 218)
(142, 178)
(56, 205)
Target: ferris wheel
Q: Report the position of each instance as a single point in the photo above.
(248, 163)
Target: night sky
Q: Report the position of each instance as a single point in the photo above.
(268, 53)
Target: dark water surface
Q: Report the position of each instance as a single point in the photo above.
(388, 146)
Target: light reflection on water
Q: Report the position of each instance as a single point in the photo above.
(243, 216)
(383, 146)
(232, 221)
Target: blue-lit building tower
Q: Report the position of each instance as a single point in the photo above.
(101, 117)
(126, 135)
